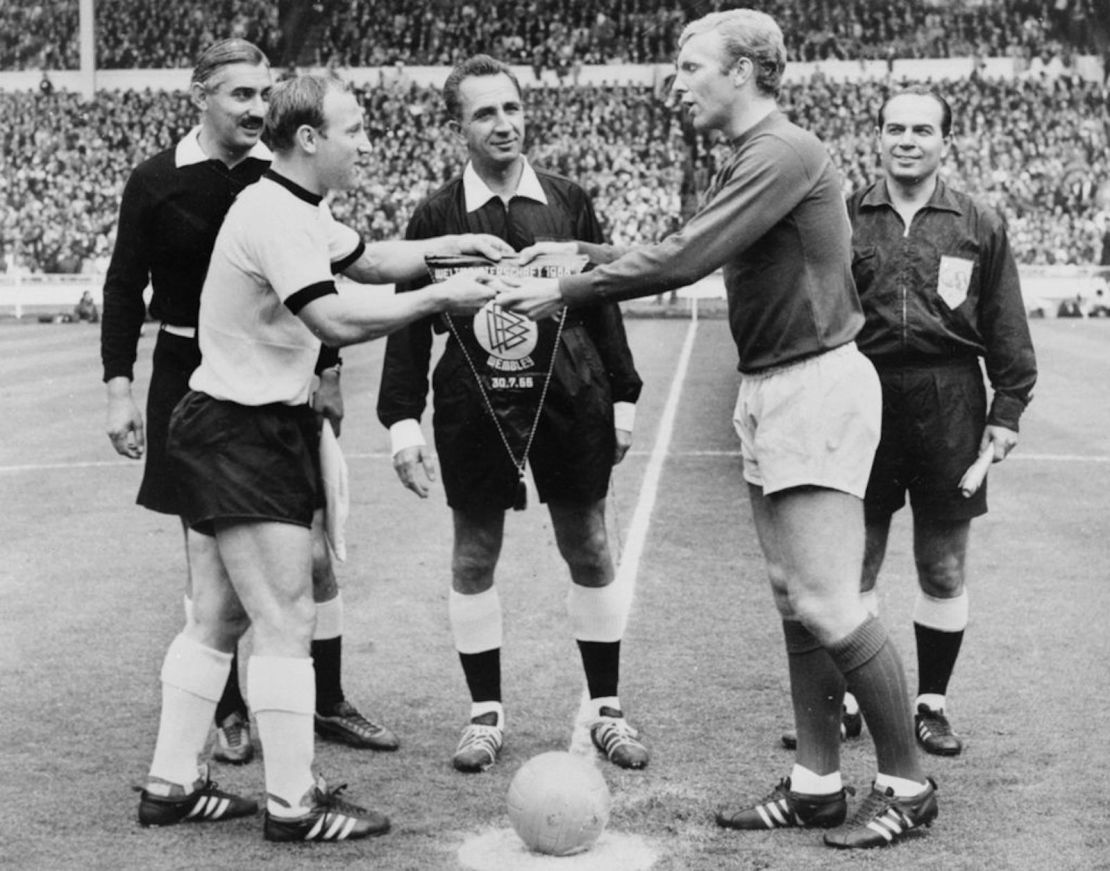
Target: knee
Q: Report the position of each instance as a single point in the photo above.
(287, 628)
(472, 572)
(941, 578)
(589, 561)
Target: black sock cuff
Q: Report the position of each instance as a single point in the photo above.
(799, 639)
(860, 646)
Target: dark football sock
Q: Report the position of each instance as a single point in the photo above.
(601, 660)
(483, 674)
(232, 699)
(327, 659)
(871, 666)
(936, 658)
(817, 691)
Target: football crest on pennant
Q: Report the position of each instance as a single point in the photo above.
(507, 337)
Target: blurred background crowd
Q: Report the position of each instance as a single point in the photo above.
(1034, 146)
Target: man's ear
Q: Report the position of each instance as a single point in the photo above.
(306, 137)
(198, 95)
(454, 127)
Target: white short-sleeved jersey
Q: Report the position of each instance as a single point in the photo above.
(277, 250)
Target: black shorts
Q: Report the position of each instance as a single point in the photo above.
(175, 358)
(238, 462)
(571, 457)
(933, 420)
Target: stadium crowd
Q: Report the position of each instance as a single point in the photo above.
(1036, 149)
(549, 34)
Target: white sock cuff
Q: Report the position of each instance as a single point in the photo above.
(475, 620)
(944, 615)
(188, 610)
(871, 602)
(596, 613)
(811, 783)
(329, 619)
(903, 787)
(477, 709)
(282, 683)
(196, 669)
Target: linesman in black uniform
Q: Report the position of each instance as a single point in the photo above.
(172, 208)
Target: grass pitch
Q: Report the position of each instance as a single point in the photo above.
(90, 587)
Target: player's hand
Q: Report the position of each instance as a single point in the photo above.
(541, 249)
(1001, 439)
(408, 463)
(486, 245)
(328, 399)
(536, 298)
(467, 291)
(124, 420)
(624, 442)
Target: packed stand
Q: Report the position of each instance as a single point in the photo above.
(557, 34)
(1037, 150)
(545, 34)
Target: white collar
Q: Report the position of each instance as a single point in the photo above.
(188, 150)
(477, 193)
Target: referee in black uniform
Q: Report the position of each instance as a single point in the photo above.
(557, 395)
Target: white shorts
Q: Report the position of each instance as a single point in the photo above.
(812, 423)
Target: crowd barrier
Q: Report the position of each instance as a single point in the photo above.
(1044, 289)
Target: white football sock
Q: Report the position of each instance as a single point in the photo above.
(596, 613)
(475, 620)
(902, 787)
(810, 783)
(193, 678)
(944, 615)
(477, 709)
(283, 695)
(933, 701)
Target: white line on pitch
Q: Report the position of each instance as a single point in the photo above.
(625, 581)
(654, 453)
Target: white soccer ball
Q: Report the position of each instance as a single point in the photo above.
(558, 803)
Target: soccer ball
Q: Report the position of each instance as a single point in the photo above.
(558, 803)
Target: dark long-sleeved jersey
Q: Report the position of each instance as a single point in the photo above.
(169, 217)
(567, 215)
(946, 289)
(774, 223)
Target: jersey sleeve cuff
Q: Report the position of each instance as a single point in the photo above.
(405, 434)
(624, 415)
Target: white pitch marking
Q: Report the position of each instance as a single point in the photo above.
(625, 580)
(382, 455)
(500, 849)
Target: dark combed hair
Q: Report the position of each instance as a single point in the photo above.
(479, 65)
(922, 91)
(225, 52)
(297, 102)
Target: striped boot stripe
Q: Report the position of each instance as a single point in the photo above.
(335, 829)
(314, 832)
(219, 809)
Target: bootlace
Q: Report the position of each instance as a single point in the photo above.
(615, 732)
(330, 800)
(875, 805)
(477, 736)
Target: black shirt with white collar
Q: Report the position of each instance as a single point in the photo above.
(172, 208)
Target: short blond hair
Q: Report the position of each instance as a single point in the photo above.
(746, 33)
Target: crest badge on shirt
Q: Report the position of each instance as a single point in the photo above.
(954, 279)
